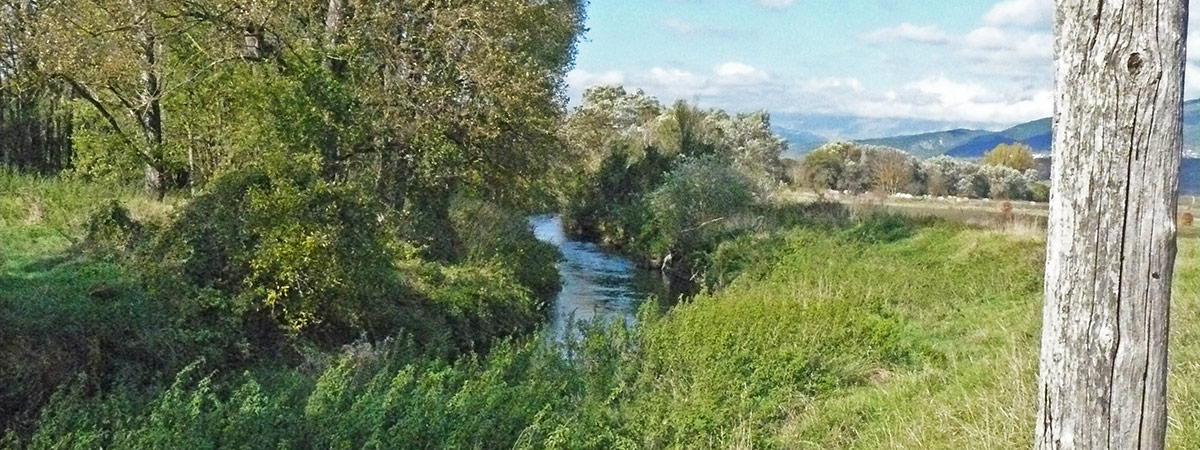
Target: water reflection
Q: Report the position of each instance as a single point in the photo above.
(595, 283)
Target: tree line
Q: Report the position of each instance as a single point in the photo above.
(1007, 172)
(408, 96)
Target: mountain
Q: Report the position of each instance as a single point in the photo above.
(806, 132)
(926, 145)
(1035, 134)
(1189, 176)
(800, 142)
(846, 127)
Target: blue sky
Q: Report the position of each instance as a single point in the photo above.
(967, 61)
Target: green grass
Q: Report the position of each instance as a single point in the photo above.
(884, 335)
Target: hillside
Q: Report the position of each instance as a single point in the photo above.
(800, 142)
(973, 143)
(931, 144)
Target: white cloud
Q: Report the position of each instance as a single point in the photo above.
(676, 79)
(832, 83)
(1022, 13)
(908, 32)
(583, 79)
(736, 73)
(1006, 46)
(941, 98)
(1191, 84)
(680, 26)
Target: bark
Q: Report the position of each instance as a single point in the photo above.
(152, 117)
(335, 16)
(1111, 242)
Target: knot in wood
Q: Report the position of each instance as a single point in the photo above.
(1134, 63)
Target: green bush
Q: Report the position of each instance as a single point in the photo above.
(699, 198)
(481, 304)
(110, 231)
(609, 204)
(491, 234)
(312, 256)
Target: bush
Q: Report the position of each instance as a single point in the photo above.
(693, 201)
(311, 256)
(482, 304)
(491, 234)
(111, 232)
(609, 204)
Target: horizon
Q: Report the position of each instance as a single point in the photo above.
(976, 64)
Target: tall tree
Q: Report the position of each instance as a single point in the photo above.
(125, 58)
(1111, 245)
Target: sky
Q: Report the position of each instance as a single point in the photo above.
(962, 61)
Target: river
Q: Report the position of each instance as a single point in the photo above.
(596, 283)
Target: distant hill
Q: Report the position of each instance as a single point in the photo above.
(800, 142)
(1189, 176)
(1035, 134)
(971, 143)
(926, 145)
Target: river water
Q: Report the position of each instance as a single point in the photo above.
(596, 283)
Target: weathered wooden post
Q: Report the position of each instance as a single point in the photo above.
(1111, 244)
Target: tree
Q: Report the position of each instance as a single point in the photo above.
(892, 170)
(609, 117)
(1016, 155)
(149, 50)
(1111, 237)
(824, 166)
(752, 148)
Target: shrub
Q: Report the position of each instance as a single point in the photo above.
(110, 231)
(695, 198)
(491, 234)
(310, 255)
(482, 304)
(1017, 156)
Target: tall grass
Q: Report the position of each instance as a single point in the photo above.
(878, 334)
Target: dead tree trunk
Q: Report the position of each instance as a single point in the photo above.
(1111, 244)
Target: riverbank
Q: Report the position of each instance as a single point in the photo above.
(823, 340)
(879, 332)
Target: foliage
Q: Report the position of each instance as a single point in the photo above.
(150, 292)
(880, 228)
(610, 202)
(1015, 156)
(848, 166)
(858, 168)
(312, 256)
(793, 352)
(694, 199)
(666, 182)
(494, 235)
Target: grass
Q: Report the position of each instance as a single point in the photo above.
(872, 337)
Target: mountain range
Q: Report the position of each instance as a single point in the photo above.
(958, 142)
(968, 143)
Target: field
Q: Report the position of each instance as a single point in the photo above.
(877, 333)
(1024, 216)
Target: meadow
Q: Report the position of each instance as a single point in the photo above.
(875, 331)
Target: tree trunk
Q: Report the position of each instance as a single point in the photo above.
(335, 15)
(151, 117)
(1111, 238)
